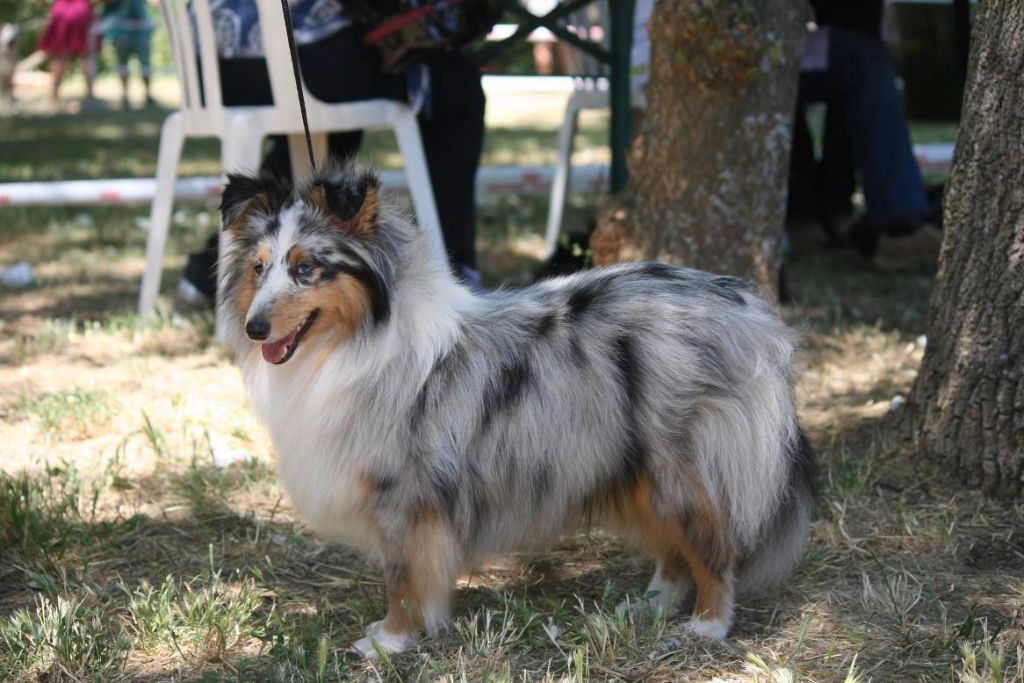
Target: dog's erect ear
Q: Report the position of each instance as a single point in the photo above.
(349, 201)
(244, 194)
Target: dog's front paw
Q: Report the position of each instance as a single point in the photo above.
(379, 640)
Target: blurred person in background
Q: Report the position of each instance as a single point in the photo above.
(127, 26)
(848, 68)
(66, 38)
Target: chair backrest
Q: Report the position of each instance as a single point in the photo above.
(279, 60)
(190, 32)
(194, 50)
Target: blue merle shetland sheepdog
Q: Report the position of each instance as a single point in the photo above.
(431, 426)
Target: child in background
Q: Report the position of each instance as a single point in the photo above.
(66, 37)
(127, 26)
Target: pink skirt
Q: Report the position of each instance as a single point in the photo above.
(67, 30)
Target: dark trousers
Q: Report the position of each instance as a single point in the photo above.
(341, 69)
(859, 86)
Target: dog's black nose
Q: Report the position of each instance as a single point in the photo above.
(257, 329)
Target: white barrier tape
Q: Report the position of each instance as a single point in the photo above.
(518, 180)
(521, 180)
(935, 157)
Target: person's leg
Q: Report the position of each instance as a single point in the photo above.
(863, 88)
(801, 199)
(57, 65)
(87, 71)
(453, 137)
(836, 172)
(122, 52)
(123, 74)
(142, 52)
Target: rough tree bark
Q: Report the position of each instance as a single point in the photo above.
(707, 185)
(968, 400)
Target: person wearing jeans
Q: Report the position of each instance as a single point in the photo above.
(857, 81)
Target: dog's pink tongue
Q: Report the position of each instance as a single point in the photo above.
(275, 353)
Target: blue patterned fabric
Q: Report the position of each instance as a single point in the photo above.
(236, 23)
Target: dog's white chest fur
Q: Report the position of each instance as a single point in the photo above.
(319, 464)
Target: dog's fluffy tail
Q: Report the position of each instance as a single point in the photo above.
(784, 539)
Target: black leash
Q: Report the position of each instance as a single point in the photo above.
(298, 79)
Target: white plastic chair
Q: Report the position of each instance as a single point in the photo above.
(242, 129)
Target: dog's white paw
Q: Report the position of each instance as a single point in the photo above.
(714, 629)
(377, 638)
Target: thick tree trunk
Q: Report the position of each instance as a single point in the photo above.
(707, 185)
(968, 399)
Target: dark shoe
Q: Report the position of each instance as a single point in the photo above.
(866, 235)
(919, 249)
(863, 235)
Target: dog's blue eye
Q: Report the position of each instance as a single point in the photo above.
(257, 268)
(304, 270)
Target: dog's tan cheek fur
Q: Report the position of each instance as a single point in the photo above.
(343, 303)
(245, 290)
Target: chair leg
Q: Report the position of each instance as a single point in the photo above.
(171, 139)
(299, 155)
(563, 169)
(407, 131)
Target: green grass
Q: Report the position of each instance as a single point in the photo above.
(40, 516)
(124, 144)
(210, 599)
(64, 638)
(69, 413)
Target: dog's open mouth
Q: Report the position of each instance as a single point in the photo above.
(280, 351)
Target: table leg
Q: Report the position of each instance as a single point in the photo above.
(622, 41)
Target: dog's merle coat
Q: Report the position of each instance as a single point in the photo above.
(441, 426)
